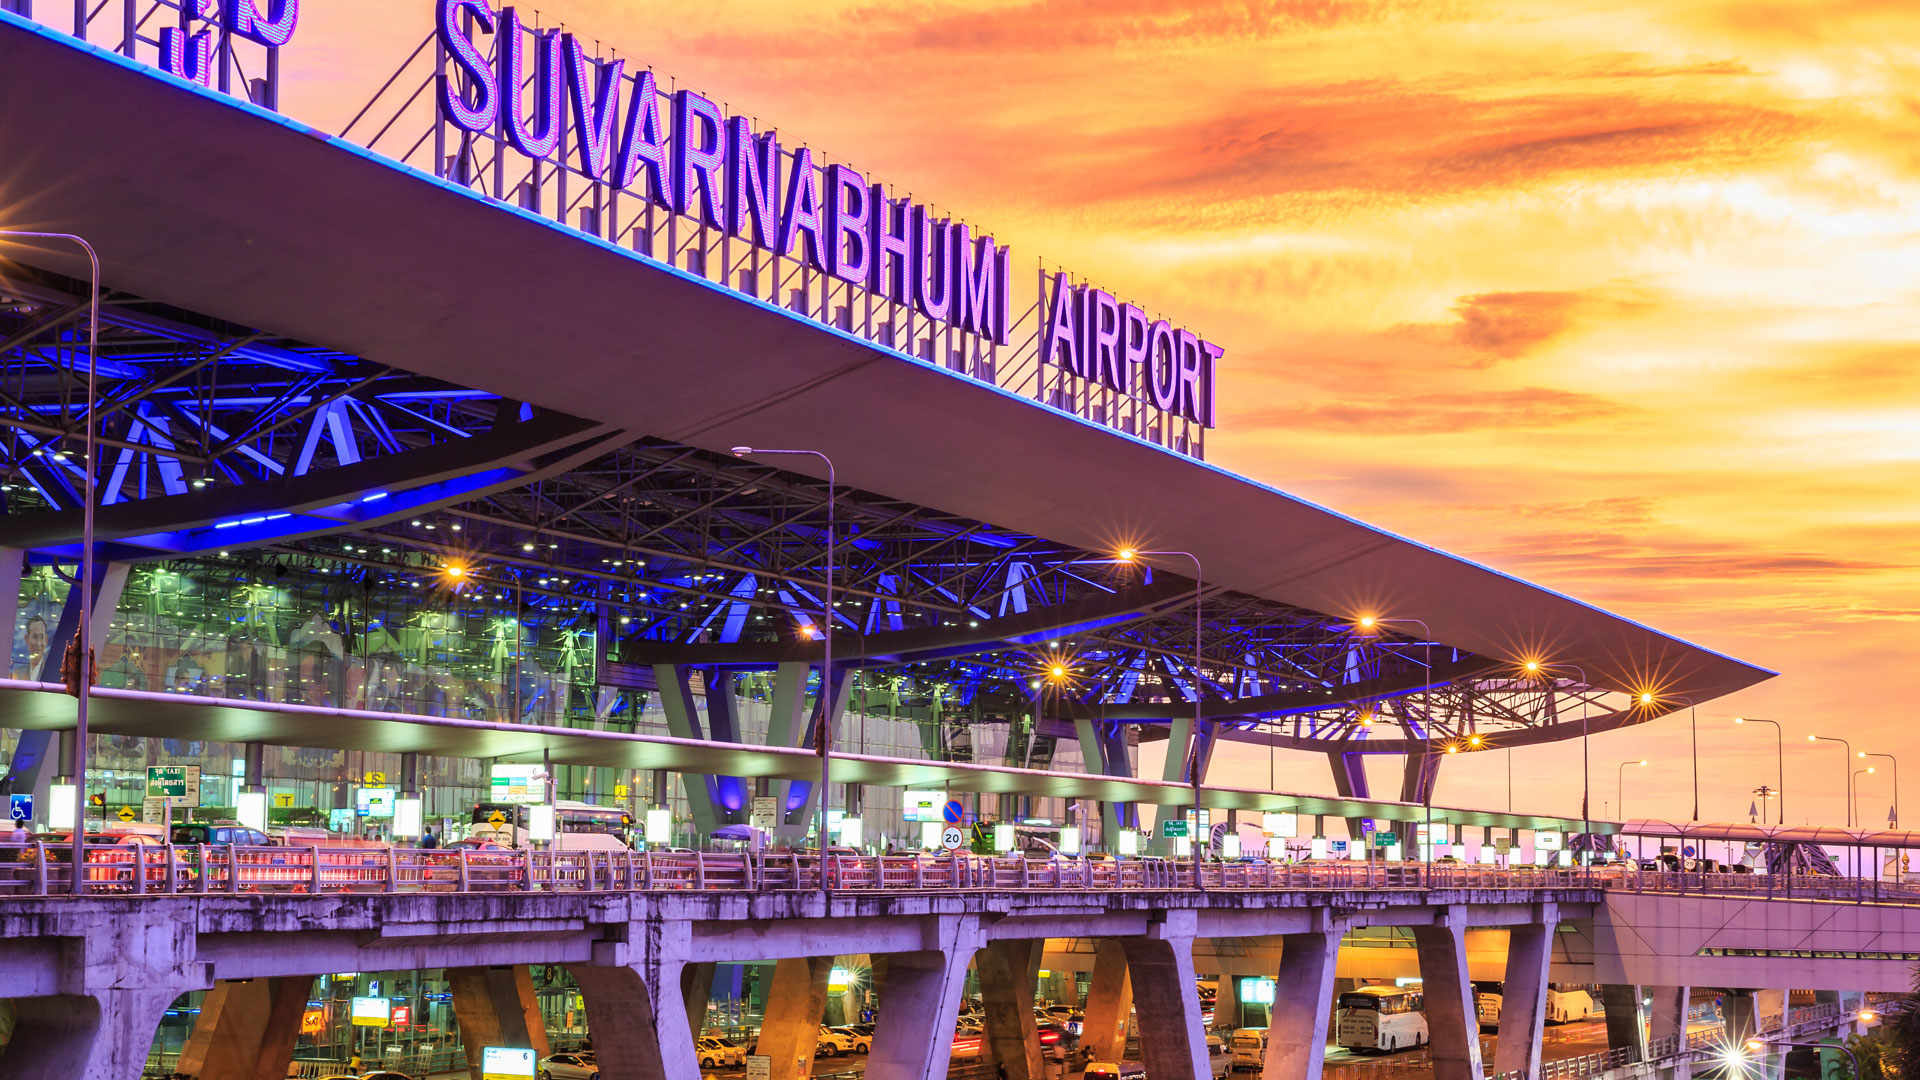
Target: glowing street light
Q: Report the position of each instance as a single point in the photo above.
(1848, 747)
(1133, 555)
(1896, 784)
(1620, 787)
(1779, 762)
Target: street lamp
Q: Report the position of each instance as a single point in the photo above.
(1849, 749)
(1131, 555)
(1779, 761)
(826, 658)
(1620, 787)
(1896, 784)
(1367, 624)
(1535, 667)
(85, 645)
(1853, 786)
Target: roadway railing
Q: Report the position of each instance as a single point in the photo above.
(141, 869)
(165, 869)
(1810, 1020)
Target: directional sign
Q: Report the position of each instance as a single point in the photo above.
(496, 818)
(955, 812)
(127, 814)
(952, 838)
(1385, 839)
(178, 784)
(283, 799)
(20, 807)
(1172, 828)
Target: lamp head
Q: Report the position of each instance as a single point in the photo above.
(1126, 554)
(742, 451)
(1366, 622)
(1646, 697)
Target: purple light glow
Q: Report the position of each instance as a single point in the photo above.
(188, 57)
(849, 206)
(801, 216)
(932, 288)
(890, 226)
(641, 146)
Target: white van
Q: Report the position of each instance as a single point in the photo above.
(1249, 1049)
(1219, 1058)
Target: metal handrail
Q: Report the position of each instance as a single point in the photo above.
(143, 869)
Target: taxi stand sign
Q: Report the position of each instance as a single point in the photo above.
(371, 1012)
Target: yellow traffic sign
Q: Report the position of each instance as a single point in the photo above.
(376, 777)
(619, 791)
(496, 818)
(127, 813)
(284, 798)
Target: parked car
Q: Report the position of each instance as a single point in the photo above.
(718, 1053)
(1109, 1070)
(862, 1044)
(219, 832)
(1219, 1058)
(569, 1067)
(835, 1041)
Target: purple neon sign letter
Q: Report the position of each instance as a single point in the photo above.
(848, 208)
(476, 75)
(753, 182)
(596, 104)
(542, 137)
(932, 288)
(801, 215)
(640, 145)
(1061, 338)
(699, 151)
(889, 223)
(272, 30)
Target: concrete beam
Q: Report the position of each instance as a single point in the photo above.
(1302, 1003)
(495, 1006)
(246, 1030)
(1009, 979)
(1669, 1010)
(683, 722)
(795, 1004)
(920, 1004)
(1523, 1000)
(1453, 1022)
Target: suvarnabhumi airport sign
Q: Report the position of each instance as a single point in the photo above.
(531, 87)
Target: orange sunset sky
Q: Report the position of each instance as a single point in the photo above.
(1616, 296)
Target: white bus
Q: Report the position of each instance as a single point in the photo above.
(1567, 1004)
(1487, 1004)
(580, 826)
(1382, 1018)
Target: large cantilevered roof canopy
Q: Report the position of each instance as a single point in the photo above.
(221, 208)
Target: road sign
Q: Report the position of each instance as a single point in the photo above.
(374, 776)
(20, 807)
(1366, 825)
(507, 1063)
(955, 812)
(179, 785)
(1687, 851)
(952, 838)
(1503, 844)
(284, 798)
(766, 812)
(759, 1067)
(1386, 839)
(619, 791)
(496, 818)
(1173, 828)
(126, 813)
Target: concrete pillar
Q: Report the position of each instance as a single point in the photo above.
(246, 1029)
(1302, 1005)
(99, 1036)
(795, 1003)
(683, 722)
(495, 1006)
(1670, 1023)
(1453, 1023)
(1173, 1042)
(1523, 999)
(1226, 1000)
(920, 1004)
(638, 1021)
(696, 985)
(1009, 972)
(1626, 1019)
(1103, 1034)
(1742, 1021)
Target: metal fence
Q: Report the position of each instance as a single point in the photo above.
(41, 869)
